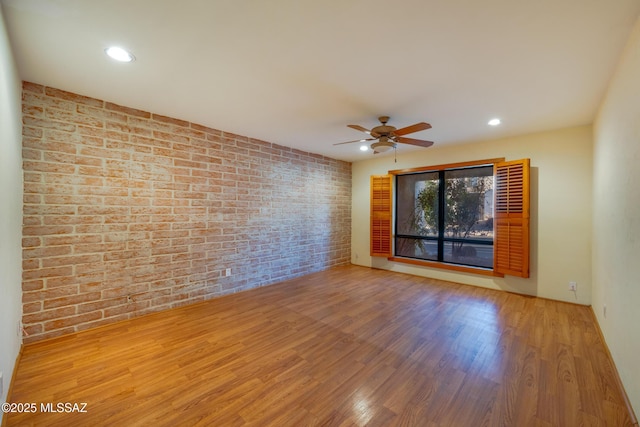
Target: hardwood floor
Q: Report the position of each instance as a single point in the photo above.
(346, 347)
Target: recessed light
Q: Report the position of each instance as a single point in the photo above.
(119, 54)
(494, 122)
(364, 148)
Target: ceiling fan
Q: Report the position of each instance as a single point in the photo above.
(388, 136)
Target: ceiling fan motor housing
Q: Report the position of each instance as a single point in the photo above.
(383, 130)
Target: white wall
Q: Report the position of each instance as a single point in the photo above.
(616, 218)
(561, 202)
(10, 210)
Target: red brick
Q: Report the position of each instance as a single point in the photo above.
(31, 133)
(86, 281)
(30, 199)
(167, 136)
(99, 305)
(72, 200)
(126, 110)
(47, 272)
(93, 133)
(70, 260)
(48, 167)
(101, 114)
(61, 94)
(32, 87)
(120, 202)
(32, 307)
(47, 294)
(48, 124)
(71, 300)
(31, 242)
(46, 231)
(170, 120)
(42, 316)
(32, 285)
(70, 117)
(32, 110)
(60, 323)
(30, 264)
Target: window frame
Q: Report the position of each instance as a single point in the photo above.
(441, 240)
(488, 271)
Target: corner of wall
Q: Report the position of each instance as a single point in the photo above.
(615, 225)
(10, 211)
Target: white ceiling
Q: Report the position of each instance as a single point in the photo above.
(296, 72)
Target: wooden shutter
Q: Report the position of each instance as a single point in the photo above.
(511, 218)
(381, 205)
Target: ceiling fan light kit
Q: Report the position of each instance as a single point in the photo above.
(382, 146)
(388, 136)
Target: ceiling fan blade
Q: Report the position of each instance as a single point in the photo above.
(413, 128)
(413, 141)
(360, 128)
(365, 130)
(356, 140)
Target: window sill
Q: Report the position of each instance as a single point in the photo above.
(445, 266)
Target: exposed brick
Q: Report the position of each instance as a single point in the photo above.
(128, 212)
(35, 330)
(126, 110)
(43, 315)
(47, 272)
(45, 251)
(71, 117)
(63, 322)
(48, 167)
(71, 300)
(32, 285)
(71, 260)
(48, 124)
(61, 94)
(32, 87)
(96, 113)
(48, 294)
(32, 307)
(99, 305)
(170, 120)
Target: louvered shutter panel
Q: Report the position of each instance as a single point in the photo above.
(511, 218)
(381, 190)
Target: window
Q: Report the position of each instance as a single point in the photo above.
(459, 217)
(446, 216)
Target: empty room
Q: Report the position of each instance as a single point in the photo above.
(233, 213)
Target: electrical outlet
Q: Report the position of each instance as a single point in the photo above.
(573, 286)
(604, 311)
(227, 272)
(19, 329)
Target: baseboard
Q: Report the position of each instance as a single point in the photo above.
(616, 375)
(13, 377)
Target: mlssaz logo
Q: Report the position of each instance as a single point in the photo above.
(66, 407)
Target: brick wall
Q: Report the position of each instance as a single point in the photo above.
(127, 212)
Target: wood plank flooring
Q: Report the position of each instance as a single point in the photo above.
(349, 346)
